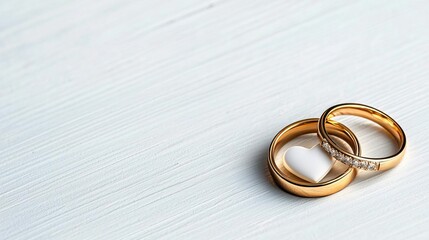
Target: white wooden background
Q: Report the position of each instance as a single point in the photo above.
(151, 119)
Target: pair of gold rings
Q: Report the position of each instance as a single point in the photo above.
(303, 177)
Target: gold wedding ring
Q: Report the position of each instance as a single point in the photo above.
(353, 159)
(297, 186)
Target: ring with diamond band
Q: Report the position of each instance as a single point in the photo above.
(355, 160)
(295, 185)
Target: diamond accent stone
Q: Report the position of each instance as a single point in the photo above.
(372, 166)
(341, 157)
(348, 160)
(325, 145)
(364, 165)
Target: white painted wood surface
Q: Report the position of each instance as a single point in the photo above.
(152, 119)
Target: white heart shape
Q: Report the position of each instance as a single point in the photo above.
(309, 164)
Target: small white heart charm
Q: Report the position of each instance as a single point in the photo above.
(309, 164)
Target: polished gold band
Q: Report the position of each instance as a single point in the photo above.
(292, 184)
(355, 160)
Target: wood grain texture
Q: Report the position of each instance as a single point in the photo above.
(151, 119)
